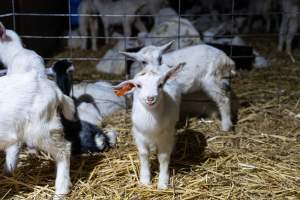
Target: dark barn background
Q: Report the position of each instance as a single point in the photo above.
(37, 25)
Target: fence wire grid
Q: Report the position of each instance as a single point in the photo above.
(232, 14)
(177, 36)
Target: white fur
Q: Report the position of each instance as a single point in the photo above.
(100, 141)
(259, 61)
(29, 109)
(29, 114)
(154, 125)
(18, 59)
(206, 68)
(97, 101)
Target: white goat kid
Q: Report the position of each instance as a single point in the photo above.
(154, 115)
(29, 105)
(206, 68)
(29, 114)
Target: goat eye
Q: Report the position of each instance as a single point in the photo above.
(138, 85)
(160, 85)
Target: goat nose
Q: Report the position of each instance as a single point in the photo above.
(150, 98)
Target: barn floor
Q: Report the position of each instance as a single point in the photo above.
(259, 160)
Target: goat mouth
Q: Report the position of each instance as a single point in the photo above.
(150, 103)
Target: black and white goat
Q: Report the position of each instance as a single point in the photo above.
(84, 136)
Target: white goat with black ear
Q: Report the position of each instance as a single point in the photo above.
(206, 68)
(155, 111)
(84, 136)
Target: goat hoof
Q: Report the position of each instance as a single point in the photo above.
(226, 127)
(59, 197)
(145, 182)
(8, 172)
(162, 186)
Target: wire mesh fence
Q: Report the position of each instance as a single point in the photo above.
(229, 13)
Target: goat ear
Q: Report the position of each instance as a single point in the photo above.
(2, 31)
(173, 72)
(166, 47)
(133, 56)
(123, 88)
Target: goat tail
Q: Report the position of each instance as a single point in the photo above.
(225, 67)
(68, 107)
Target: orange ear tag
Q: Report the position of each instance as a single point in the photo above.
(125, 88)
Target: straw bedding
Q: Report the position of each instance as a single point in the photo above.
(260, 159)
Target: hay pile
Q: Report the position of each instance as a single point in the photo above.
(259, 160)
